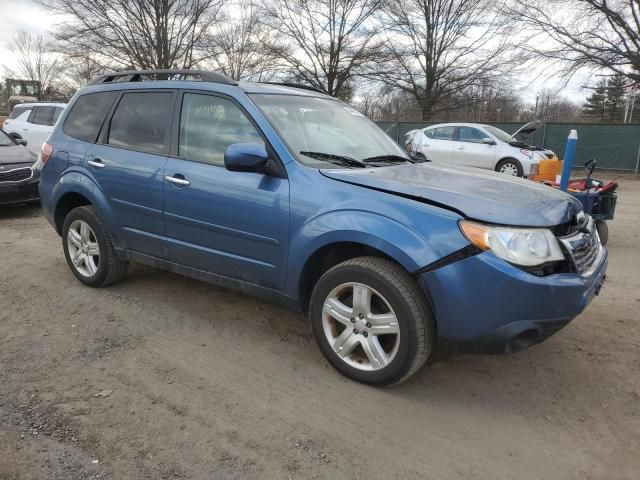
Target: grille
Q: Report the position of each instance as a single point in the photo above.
(16, 175)
(584, 248)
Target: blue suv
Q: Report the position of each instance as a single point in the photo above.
(286, 193)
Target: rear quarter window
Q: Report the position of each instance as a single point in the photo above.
(87, 114)
(17, 111)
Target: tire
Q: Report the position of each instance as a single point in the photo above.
(603, 231)
(510, 165)
(99, 270)
(393, 296)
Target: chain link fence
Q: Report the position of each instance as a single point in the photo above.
(614, 146)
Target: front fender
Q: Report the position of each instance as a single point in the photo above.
(409, 247)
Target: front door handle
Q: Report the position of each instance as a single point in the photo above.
(183, 182)
(461, 148)
(96, 163)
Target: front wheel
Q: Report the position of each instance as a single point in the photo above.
(510, 166)
(371, 321)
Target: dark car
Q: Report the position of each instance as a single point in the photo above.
(18, 180)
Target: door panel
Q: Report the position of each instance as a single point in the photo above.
(132, 183)
(231, 223)
(470, 150)
(128, 165)
(234, 224)
(438, 144)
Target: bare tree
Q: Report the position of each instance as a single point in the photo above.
(34, 60)
(596, 34)
(243, 47)
(325, 43)
(146, 34)
(436, 49)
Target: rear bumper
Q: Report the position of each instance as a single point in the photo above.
(19, 192)
(485, 305)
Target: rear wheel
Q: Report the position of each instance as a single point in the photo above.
(89, 250)
(510, 166)
(371, 321)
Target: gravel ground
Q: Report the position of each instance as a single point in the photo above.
(162, 377)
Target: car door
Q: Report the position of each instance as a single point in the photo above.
(470, 150)
(38, 127)
(437, 144)
(234, 224)
(127, 163)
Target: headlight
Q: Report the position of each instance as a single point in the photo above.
(526, 152)
(527, 247)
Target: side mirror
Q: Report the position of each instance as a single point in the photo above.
(21, 141)
(488, 141)
(246, 157)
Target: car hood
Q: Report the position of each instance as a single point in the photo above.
(485, 196)
(528, 128)
(15, 154)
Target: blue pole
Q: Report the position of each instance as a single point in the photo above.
(569, 157)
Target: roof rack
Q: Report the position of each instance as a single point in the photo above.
(296, 85)
(167, 74)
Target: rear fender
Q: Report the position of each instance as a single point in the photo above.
(75, 181)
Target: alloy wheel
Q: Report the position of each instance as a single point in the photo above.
(360, 326)
(83, 247)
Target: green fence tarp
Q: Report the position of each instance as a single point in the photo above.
(613, 146)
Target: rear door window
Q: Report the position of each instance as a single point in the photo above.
(443, 133)
(41, 116)
(141, 122)
(87, 114)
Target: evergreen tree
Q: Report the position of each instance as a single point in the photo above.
(615, 99)
(596, 104)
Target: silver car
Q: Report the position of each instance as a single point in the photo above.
(478, 145)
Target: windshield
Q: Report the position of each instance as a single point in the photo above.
(327, 129)
(499, 134)
(5, 140)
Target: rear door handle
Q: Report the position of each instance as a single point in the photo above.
(183, 182)
(461, 148)
(96, 163)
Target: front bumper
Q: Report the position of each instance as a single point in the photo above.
(26, 191)
(482, 304)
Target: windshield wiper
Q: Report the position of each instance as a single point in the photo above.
(388, 158)
(337, 159)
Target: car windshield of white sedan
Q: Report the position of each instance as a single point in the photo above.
(5, 140)
(322, 131)
(499, 134)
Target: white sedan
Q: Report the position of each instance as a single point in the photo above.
(477, 145)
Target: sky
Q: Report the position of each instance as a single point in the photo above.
(27, 15)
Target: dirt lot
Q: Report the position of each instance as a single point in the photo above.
(199, 382)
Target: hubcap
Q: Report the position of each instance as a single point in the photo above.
(510, 169)
(361, 326)
(84, 251)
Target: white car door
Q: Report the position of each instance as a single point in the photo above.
(437, 144)
(39, 126)
(470, 149)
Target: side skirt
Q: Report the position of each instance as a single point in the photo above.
(248, 288)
